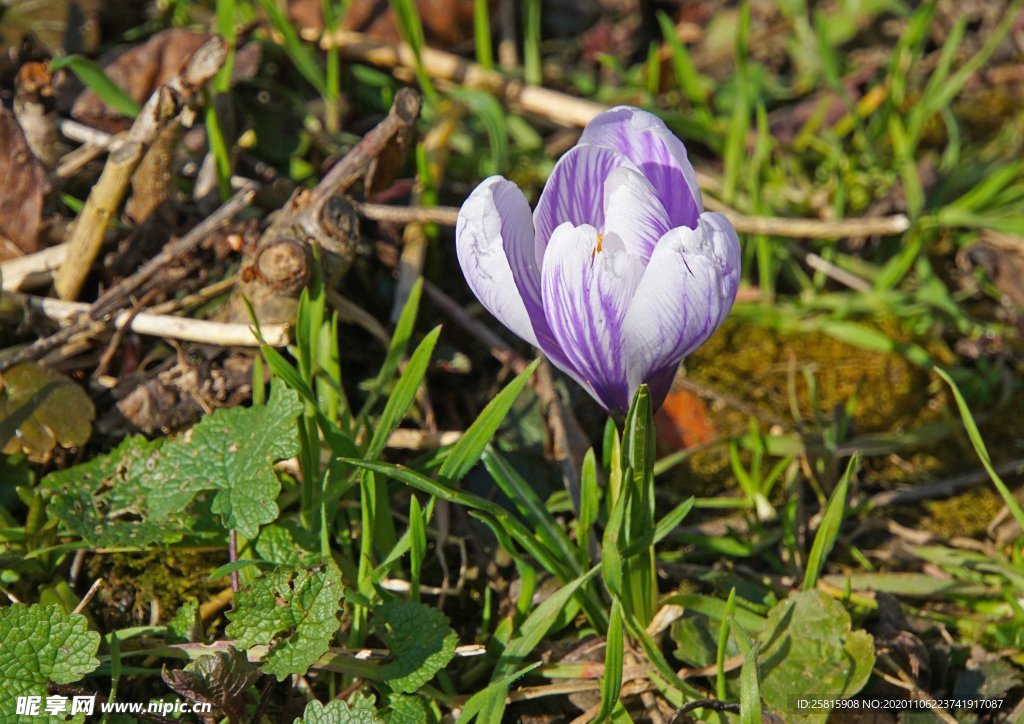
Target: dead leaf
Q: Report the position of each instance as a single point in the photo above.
(24, 185)
(43, 409)
(445, 22)
(141, 69)
(683, 422)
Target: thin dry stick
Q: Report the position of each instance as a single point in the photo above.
(942, 488)
(115, 297)
(769, 225)
(811, 228)
(88, 595)
(227, 334)
(558, 107)
(119, 292)
(33, 270)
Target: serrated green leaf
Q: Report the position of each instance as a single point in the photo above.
(107, 501)
(186, 626)
(288, 543)
(338, 712)
(293, 610)
(232, 451)
(808, 650)
(421, 641)
(407, 709)
(40, 644)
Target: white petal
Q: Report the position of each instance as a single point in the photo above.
(633, 212)
(493, 237)
(587, 285)
(646, 141)
(574, 192)
(686, 292)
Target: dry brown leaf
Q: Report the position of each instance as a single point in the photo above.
(23, 188)
(683, 421)
(445, 22)
(141, 69)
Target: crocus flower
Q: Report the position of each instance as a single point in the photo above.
(619, 273)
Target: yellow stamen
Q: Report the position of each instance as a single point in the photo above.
(600, 239)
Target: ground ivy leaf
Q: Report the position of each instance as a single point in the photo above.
(421, 642)
(295, 611)
(233, 451)
(41, 644)
(808, 650)
(107, 501)
(186, 626)
(407, 709)
(288, 543)
(338, 712)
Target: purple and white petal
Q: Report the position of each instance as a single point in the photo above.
(494, 242)
(575, 191)
(686, 292)
(587, 286)
(661, 157)
(633, 212)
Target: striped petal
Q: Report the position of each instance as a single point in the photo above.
(587, 283)
(575, 191)
(646, 141)
(494, 242)
(633, 212)
(686, 292)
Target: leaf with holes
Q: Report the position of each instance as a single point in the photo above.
(295, 611)
(106, 501)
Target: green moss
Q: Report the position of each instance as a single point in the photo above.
(134, 581)
(968, 514)
(763, 370)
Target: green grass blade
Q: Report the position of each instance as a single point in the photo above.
(611, 685)
(980, 450)
(750, 692)
(403, 395)
(299, 52)
(494, 694)
(96, 79)
(399, 344)
(467, 451)
(482, 34)
(828, 531)
(530, 506)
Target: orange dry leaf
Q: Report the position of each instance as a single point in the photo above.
(683, 421)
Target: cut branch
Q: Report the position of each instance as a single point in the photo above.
(125, 154)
